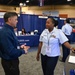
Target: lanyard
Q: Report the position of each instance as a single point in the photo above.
(49, 38)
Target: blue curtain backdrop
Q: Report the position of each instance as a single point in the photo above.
(41, 24)
(61, 23)
(31, 23)
(1, 22)
(20, 23)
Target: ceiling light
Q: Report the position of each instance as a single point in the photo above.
(27, 1)
(24, 4)
(21, 4)
(68, 0)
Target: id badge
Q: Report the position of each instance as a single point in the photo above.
(48, 50)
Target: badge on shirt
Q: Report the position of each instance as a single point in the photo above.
(53, 36)
(48, 49)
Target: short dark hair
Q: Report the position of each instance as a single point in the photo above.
(55, 22)
(67, 20)
(9, 14)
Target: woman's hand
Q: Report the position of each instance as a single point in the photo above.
(37, 57)
(73, 50)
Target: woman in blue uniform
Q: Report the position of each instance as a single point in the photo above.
(49, 46)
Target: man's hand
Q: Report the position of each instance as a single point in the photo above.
(22, 46)
(25, 48)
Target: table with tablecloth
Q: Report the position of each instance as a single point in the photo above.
(29, 40)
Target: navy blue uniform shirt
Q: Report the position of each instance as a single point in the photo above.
(9, 43)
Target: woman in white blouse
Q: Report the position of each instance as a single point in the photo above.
(49, 46)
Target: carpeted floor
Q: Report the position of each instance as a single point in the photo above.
(29, 65)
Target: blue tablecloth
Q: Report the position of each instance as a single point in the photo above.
(30, 40)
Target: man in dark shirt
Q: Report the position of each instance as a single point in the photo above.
(9, 45)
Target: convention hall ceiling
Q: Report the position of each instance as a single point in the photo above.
(35, 2)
